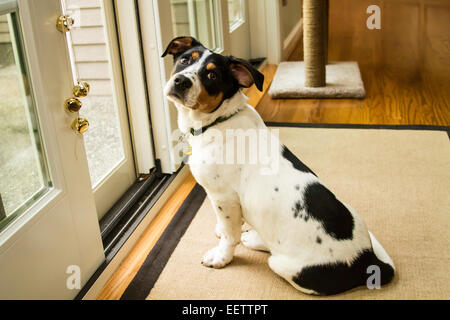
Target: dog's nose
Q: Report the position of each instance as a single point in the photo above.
(182, 83)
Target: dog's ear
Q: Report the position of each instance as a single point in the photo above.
(180, 45)
(245, 74)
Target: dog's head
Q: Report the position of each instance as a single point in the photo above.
(202, 79)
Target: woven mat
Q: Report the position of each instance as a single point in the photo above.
(397, 180)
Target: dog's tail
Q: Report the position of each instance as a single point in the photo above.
(386, 264)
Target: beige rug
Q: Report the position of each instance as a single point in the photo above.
(343, 81)
(398, 180)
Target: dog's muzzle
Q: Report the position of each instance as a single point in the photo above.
(181, 86)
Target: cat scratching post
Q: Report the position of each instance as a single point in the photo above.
(315, 77)
(314, 43)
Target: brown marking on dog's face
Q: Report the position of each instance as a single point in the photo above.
(179, 45)
(210, 66)
(195, 55)
(207, 103)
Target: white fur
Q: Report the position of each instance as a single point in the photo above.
(380, 252)
(239, 191)
(191, 73)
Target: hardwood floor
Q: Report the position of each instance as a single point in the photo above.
(128, 269)
(405, 66)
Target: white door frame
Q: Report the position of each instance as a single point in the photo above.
(62, 226)
(135, 85)
(163, 116)
(116, 182)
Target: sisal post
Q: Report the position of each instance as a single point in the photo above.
(313, 42)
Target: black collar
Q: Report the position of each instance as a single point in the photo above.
(218, 120)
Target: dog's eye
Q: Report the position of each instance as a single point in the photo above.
(212, 76)
(184, 61)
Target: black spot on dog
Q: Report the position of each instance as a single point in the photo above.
(220, 208)
(276, 189)
(228, 217)
(322, 205)
(300, 166)
(297, 187)
(297, 208)
(338, 277)
(318, 240)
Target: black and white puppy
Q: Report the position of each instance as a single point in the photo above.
(317, 243)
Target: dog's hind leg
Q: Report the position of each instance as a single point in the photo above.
(252, 240)
(288, 268)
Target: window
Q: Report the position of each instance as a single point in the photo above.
(236, 13)
(24, 177)
(199, 19)
(91, 62)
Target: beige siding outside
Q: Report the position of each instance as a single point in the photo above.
(89, 45)
(4, 30)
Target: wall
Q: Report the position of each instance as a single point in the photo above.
(289, 16)
(4, 30)
(6, 52)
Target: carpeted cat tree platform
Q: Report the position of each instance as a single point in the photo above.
(315, 77)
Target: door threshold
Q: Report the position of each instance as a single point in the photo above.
(121, 231)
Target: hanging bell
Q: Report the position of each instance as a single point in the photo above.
(80, 125)
(73, 105)
(81, 90)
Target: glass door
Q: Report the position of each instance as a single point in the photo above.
(50, 241)
(24, 177)
(95, 58)
(201, 19)
(239, 28)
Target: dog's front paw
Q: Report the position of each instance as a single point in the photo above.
(218, 257)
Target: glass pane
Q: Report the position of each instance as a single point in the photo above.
(91, 62)
(236, 13)
(199, 19)
(23, 170)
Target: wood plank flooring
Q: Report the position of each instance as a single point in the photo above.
(128, 269)
(405, 66)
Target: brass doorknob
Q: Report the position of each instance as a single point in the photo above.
(81, 90)
(73, 105)
(80, 125)
(64, 23)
